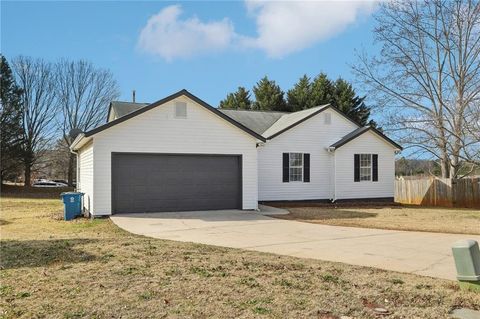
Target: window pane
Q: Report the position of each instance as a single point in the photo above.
(296, 174)
(296, 159)
(365, 159)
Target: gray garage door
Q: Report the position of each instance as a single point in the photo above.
(165, 182)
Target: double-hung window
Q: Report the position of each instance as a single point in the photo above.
(295, 168)
(365, 167)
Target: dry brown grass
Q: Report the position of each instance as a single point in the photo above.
(91, 269)
(442, 220)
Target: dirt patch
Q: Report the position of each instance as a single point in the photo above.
(91, 269)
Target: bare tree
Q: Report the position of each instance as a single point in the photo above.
(35, 79)
(84, 93)
(426, 80)
(471, 142)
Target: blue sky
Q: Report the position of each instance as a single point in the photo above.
(209, 48)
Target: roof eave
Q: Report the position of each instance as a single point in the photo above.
(79, 142)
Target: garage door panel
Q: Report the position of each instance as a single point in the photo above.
(167, 182)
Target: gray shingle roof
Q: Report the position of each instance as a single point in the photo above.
(289, 120)
(257, 121)
(350, 136)
(123, 108)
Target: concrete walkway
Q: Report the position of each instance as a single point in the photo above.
(420, 253)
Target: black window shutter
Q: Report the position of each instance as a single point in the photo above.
(375, 167)
(286, 162)
(356, 168)
(306, 168)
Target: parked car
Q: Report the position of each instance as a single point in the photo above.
(60, 181)
(49, 184)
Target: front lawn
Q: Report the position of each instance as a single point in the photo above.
(91, 269)
(442, 220)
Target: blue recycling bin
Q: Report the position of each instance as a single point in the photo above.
(72, 202)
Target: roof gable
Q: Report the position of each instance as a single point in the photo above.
(166, 100)
(290, 120)
(358, 132)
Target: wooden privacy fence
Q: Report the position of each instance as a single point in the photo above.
(444, 192)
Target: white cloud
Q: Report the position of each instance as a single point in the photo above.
(290, 26)
(170, 37)
(282, 28)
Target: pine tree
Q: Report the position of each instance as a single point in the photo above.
(322, 90)
(347, 101)
(229, 102)
(238, 100)
(243, 98)
(269, 96)
(10, 122)
(300, 96)
(305, 94)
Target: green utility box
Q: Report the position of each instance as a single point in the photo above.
(467, 261)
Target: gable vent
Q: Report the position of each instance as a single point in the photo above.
(328, 118)
(180, 110)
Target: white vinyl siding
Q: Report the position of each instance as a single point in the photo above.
(85, 175)
(157, 131)
(312, 136)
(346, 187)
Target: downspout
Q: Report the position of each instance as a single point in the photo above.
(334, 176)
(259, 144)
(77, 179)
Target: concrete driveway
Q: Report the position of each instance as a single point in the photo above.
(420, 253)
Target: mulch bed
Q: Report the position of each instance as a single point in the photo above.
(364, 204)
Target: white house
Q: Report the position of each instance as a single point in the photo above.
(180, 153)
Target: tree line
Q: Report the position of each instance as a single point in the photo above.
(41, 102)
(425, 81)
(305, 94)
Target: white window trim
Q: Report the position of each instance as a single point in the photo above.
(368, 166)
(298, 166)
